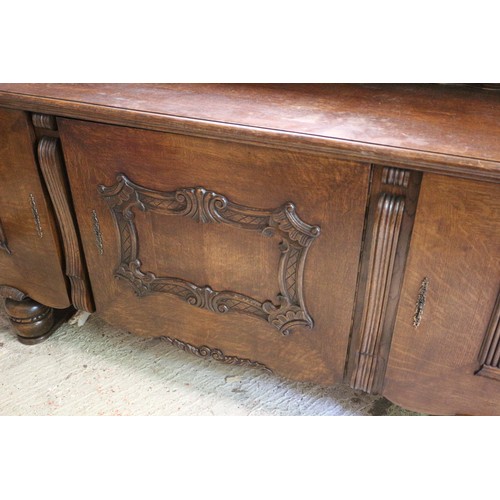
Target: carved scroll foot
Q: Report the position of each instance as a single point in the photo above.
(33, 322)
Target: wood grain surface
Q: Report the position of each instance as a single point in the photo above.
(456, 245)
(53, 171)
(326, 192)
(393, 199)
(430, 127)
(35, 263)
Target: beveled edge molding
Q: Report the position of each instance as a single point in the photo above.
(489, 356)
(209, 207)
(43, 121)
(385, 237)
(51, 165)
(9, 292)
(440, 163)
(216, 354)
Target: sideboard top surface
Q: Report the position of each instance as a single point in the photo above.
(439, 127)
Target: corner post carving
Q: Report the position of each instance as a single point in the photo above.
(51, 163)
(489, 357)
(390, 220)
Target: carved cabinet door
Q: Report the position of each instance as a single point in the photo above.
(30, 253)
(243, 253)
(445, 352)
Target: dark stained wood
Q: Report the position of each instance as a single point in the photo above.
(31, 320)
(34, 264)
(222, 256)
(437, 128)
(51, 165)
(456, 245)
(393, 198)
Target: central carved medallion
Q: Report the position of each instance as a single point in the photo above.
(208, 207)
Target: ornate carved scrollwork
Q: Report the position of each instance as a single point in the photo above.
(420, 304)
(216, 354)
(209, 207)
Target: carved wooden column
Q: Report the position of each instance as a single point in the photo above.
(394, 194)
(489, 358)
(51, 163)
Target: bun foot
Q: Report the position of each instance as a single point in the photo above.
(31, 320)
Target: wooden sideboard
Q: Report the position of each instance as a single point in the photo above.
(328, 233)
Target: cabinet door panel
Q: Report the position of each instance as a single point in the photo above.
(33, 262)
(435, 367)
(209, 250)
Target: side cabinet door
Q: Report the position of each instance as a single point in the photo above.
(242, 253)
(445, 353)
(30, 252)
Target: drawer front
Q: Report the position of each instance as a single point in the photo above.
(239, 252)
(445, 349)
(30, 253)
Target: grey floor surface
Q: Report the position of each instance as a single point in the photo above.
(100, 370)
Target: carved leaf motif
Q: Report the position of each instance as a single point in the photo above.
(206, 206)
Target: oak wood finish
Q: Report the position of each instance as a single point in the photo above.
(381, 256)
(489, 359)
(208, 207)
(393, 199)
(456, 245)
(427, 127)
(33, 263)
(51, 165)
(220, 256)
(31, 320)
(216, 354)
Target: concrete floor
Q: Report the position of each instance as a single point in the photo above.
(99, 370)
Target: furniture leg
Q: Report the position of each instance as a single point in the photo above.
(33, 322)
